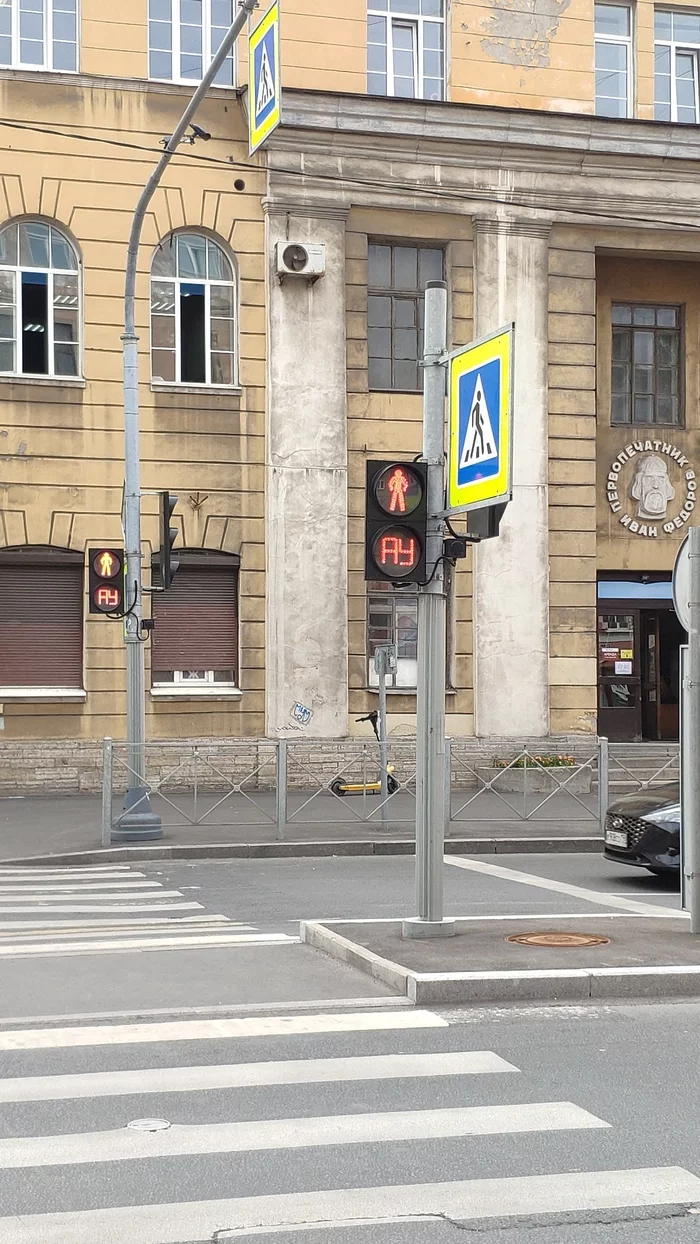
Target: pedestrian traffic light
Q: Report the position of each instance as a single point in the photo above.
(168, 536)
(106, 580)
(396, 517)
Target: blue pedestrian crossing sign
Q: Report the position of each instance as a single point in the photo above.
(264, 78)
(480, 423)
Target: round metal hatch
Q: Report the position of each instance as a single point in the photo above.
(556, 939)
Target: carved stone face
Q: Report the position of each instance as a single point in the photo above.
(651, 487)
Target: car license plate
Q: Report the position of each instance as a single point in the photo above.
(615, 838)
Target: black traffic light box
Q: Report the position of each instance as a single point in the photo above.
(396, 519)
(168, 536)
(106, 579)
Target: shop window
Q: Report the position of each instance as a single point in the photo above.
(406, 48)
(39, 34)
(195, 638)
(613, 60)
(185, 35)
(41, 619)
(676, 50)
(193, 312)
(397, 279)
(646, 371)
(39, 301)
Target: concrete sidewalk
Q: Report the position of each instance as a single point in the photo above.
(70, 826)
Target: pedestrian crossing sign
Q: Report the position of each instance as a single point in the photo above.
(480, 418)
(264, 79)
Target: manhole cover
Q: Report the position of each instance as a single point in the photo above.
(148, 1125)
(558, 939)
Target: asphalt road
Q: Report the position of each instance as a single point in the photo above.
(555, 1126)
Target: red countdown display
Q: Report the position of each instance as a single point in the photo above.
(398, 489)
(107, 599)
(397, 552)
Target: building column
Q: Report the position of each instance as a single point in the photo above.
(511, 576)
(306, 515)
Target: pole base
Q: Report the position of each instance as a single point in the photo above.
(138, 823)
(415, 928)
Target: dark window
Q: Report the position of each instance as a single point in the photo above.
(646, 373)
(39, 301)
(397, 279)
(195, 639)
(41, 619)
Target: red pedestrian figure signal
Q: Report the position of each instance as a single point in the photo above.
(398, 484)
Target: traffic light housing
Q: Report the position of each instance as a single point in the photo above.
(168, 536)
(106, 580)
(396, 520)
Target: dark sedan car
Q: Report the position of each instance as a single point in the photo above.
(644, 829)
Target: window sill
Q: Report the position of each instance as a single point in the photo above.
(197, 390)
(188, 691)
(53, 382)
(61, 695)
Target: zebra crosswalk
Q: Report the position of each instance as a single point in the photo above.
(127, 1141)
(107, 910)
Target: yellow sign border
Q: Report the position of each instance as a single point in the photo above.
(479, 493)
(257, 135)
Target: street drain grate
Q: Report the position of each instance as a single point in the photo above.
(558, 939)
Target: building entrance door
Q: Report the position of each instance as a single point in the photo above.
(662, 635)
(638, 673)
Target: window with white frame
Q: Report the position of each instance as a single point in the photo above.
(392, 618)
(195, 637)
(406, 48)
(193, 312)
(185, 35)
(39, 34)
(39, 301)
(613, 60)
(676, 51)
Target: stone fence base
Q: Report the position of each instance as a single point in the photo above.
(65, 767)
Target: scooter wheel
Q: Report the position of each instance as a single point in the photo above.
(337, 787)
(391, 784)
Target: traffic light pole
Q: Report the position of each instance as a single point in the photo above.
(432, 615)
(139, 822)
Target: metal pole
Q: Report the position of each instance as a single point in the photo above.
(448, 786)
(603, 782)
(383, 752)
(142, 823)
(432, 613)
(281, 788)
(106, 792)
(691, 740)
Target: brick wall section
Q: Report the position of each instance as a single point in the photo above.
(572, 481)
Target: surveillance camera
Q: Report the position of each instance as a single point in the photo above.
(200, 133)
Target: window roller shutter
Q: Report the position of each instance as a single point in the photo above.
(196, 624)
(41, 625)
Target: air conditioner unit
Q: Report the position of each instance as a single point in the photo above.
(304, 259)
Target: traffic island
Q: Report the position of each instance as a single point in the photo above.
(575, 960)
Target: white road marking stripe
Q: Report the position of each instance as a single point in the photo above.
(252, 1075)
(7, 926)
(64, 887)
(22, 950)
(216, 1029)
(55, 870)
(469, 1199)
(46, 937)
(84, 908)
(560, 887)
(135, 895)
(305, 1133)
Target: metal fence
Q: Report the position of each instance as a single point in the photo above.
(272, 787)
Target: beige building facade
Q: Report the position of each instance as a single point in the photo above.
(518, 157)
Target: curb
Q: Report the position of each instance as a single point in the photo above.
(539, 985)
(281, 849)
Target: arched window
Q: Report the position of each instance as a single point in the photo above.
(39, 301)
(193, 305)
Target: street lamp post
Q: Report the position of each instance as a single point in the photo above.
(139, 822)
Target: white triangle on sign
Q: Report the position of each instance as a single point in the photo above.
(479, 443)
(266, 83)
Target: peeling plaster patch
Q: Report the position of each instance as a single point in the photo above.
(519, 31)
